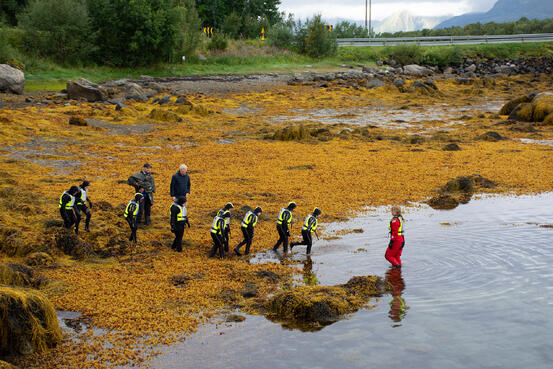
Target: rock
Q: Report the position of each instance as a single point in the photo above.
(235, 318)
(164, 100)
(399, 83)
(202, 57)
(83, 89)
(180, 280)
(39, 259)
(443, 202)
(491, 136)
(548, 121)
(417, 70)
(164, 116)
(267, 274)
(543, 106)
(525, 128)
(483, 182)
(375, 82)
(522, 113)
(471, 68)
(181, 100)
(508, 108)
(249, 290)
(146, 78)
(18, 275)
(451, 147)
(12, 80)
(459, 184)
(120, 106)
(426, 87)
(448, 70)
(135, 92)
(77, 121)
(29, 322)
(66, 241)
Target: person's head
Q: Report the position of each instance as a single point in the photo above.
(291, 206)
(183, 169)
(140, 189)
(396, 211)
(228, 206)
(73, 190)
(85, 185)
(138, 197)
(147, 168)
(317, 212)
(258, 210)
(181, 200)
(226, 214)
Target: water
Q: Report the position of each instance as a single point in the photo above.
(477, 287)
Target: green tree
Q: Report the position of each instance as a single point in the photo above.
(319, 42)
(232, 25)
(213, 13)
(346, 29)
(57, 28)
(10, 9)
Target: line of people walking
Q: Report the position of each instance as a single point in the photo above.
(74, 201)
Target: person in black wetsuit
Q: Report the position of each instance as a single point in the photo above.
(217, 229)
(80, 206)
(67, 208)
(309, 226)
(249, 222)
(283, 222)
(226, 230)
(178, 219)
(131, 214)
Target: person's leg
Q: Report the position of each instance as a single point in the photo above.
(133, 233)
(285, 240)
(86, 210)
(249, 241)
(147, 209)
(399, 250)
(63, 214)
(243, 242)
(308, 239)
(390, 255)
(221, 247)
(213, 250)
(281, 235)
(178, 236)
(131, 227)
(226, 238)
(77, 218)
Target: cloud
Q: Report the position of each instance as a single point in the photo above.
(355, 9)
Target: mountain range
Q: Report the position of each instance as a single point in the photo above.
(405, 21)
(504, 11)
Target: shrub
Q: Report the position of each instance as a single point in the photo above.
(232, 24)
(319, 41)
(7, 52)
(442, 57)
(58, 29)
(218, 42)
(281, 35)
(406, 54)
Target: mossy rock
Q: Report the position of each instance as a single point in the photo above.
(164, 116)
(292, 133)
(16, 275)
(70, 244)
(313, 307)
(459, 184)
(415, 140)
(508, 108)
(523, 112)
(543, 106)
(39, 259)
(491, 136)
(78, 121)
(548, 121)
(451, 147)
(28, 322)
(443, 202)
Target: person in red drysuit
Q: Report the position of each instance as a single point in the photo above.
(397, 241)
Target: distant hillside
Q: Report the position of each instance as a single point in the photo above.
(405, 21)
(505, 11)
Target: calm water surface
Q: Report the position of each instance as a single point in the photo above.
(476, 291)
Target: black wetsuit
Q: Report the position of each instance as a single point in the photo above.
(81, 206)
(67, 215)
(177, 226)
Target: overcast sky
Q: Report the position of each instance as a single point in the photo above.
(355, 9)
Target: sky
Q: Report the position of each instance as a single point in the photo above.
(355, 9)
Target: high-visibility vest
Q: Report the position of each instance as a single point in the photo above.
(84, 194)
(135, 212)
(181, 214)
(220, 213)
(250, 218)
(281, 215)
(70, 203)
(310, 225)
(216, 227)
(400, 230)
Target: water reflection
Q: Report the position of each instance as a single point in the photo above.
(398, 308)
(309, 277)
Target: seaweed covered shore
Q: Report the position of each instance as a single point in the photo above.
(338, 146)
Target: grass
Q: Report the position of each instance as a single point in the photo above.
(252, 57)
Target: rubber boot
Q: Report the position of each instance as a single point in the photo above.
(237, 252)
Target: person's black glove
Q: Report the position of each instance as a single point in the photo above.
(402, 244)
(186, 222)
(90, 204)
(288, 232)
(390, 244)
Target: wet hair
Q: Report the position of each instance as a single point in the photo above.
(181, 200)
(228, 206)
(147, 165)
(317, 212)
(396, 210)
(85, 184)
(138, 197)
(73, 190)
(226, 214)
(258, 210)
(291, 205)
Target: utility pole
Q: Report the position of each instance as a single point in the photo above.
(365, 15)
(370, 17)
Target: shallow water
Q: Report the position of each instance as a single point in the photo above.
(477, 285)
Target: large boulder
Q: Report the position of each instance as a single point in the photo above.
(28, 322)
(12, 80)
(417, 70)
(531, 108)
(84, 89)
